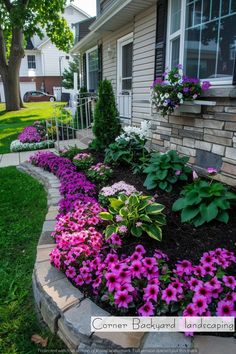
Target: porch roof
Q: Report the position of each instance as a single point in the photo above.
(116, 16)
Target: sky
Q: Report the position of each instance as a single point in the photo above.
(88, 6)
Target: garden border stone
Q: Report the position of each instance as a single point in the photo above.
(67, 312)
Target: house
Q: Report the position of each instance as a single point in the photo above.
(43, 64)
(131, 42)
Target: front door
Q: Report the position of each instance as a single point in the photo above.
(124, 75)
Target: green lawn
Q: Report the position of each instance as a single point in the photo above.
(12, 123)
(22, 211)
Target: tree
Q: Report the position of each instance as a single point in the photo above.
(106, 117)
(19, 20)
(68, 74)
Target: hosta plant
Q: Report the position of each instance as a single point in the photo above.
(99, 173)
(134, 215)
(164, 170)
(83, 160)
(203, 201)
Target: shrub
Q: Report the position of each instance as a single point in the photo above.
(135, 214)
(164, 170)
(83, 160)
(16, 145)
(129, 147)
(70, 152)
(99, 173)
(203, 201)
(106, 125)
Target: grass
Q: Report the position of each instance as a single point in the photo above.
(22, 211)
(12, 123)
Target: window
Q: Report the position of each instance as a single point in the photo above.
(92, 69)
(202, 37)
(31, 62)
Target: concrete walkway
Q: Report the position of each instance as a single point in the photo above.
(15, 158)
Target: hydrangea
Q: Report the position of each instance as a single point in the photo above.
(130, 131)
(119, 187)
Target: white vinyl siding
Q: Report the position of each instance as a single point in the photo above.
(143, 63)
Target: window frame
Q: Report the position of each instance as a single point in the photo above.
(87, 64)
(181, 34)
(31, 55)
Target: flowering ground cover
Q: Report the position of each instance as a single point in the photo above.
(129, 273)
(12, 123)
(23, 208)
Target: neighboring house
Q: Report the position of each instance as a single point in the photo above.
(132, 41)
(43, 64)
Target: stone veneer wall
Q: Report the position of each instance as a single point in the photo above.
(208, 138)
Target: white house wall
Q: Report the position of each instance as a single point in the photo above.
(24, 71)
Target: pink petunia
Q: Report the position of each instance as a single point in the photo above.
(225, 308)
(147, 309)
(190, 310)
(151, 292)
(200, 303)
(169, 294)
(123, 299)
(229, 281)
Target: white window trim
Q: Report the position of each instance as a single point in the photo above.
(31, 55)
(181, 33)
(87, 64)
(129, 38)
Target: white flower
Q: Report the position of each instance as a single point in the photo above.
(181, 101)
(179, 95)
(167, 95)
(165, 104)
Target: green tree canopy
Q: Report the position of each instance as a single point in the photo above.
(68, 74)
(21, 19)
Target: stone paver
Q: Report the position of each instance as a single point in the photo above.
(45, 273)
(214, 345)
(12, 159)
(166, 341)
(79, 318)
(43, 252)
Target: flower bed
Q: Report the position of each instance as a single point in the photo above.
(32, 138)
(128, 275)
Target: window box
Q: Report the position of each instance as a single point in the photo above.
(193, 106)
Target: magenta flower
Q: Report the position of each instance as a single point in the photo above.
(190, 310)
(178, 172)
(112, 282)
(147, 309)
(212, 170)
(169, 294)
(151, 292)
(136, 269)
(229, 281)
(123, 299)
(225, 308)
(140, 249)
(70, 272)
(200, 303)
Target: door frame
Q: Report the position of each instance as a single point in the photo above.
(120, 43)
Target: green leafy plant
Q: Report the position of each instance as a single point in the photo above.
(99, 173)
(129, 147)
(83, 161)
(203, 201)
(165, 170)
(106, 125)
(134, 215)
(70, 152)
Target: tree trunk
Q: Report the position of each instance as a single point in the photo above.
(11, 90)
(10, 71)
